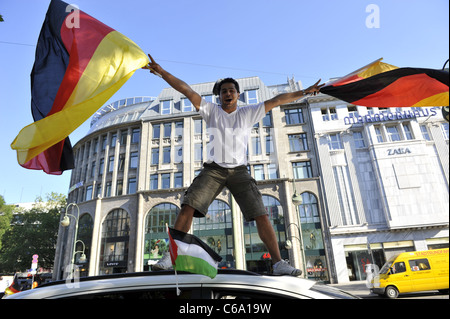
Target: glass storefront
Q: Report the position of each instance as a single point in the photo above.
(83, 245)
(316, 265)
(257, 257)
(156, 238)
(360, 255)
(114, 242)
(216, 230)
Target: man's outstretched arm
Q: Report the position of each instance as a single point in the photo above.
(291, 97)
(175, 82)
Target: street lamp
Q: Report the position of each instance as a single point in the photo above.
(300, 240)
(65, 222)
(82, 258)
(296, 199)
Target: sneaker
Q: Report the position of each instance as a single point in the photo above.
(165, 263)
(283, 268)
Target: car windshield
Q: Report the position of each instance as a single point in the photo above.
(386, 267)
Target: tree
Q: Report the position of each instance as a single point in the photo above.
(5, 218)
(32, 231)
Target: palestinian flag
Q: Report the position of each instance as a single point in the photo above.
(383, 85)
(189, 253)
(14, 287)
(79, 64)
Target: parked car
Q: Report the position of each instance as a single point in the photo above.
(228, 284)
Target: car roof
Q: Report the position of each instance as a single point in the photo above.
(226, 279)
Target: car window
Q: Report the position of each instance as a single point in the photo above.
(142, 294)
(398, 267)
(419, 264)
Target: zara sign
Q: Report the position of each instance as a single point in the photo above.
(398, 151)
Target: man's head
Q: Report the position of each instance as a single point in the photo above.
(218, 85)
(228, 92)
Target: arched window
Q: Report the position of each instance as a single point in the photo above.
(309, 210)
(159, 216)
(256, 252)
(316, 264)
(84, 240)
(216, 230)
(218, 217)
(114, 244)
(156, 238)
(274, 209)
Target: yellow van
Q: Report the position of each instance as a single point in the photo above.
(413, 271)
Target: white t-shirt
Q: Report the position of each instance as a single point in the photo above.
(229, 132)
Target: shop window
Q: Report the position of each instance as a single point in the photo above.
(312, 238)
(84, 240)
(156, 238)
(216, 230)
(257, 256)
(114, 242)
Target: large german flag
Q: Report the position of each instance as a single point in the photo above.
(383, 85)
(80, 63)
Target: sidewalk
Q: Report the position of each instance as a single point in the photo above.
(357, 288)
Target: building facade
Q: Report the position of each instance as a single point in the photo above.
(140, 156)
(385, 174)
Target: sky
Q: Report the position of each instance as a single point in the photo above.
(203, 40)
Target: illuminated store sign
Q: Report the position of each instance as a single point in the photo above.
(394, 116)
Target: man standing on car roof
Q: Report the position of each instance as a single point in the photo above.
(226, 165)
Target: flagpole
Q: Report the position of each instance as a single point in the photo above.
(173, 263)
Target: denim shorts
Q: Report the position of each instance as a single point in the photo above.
(210, 182)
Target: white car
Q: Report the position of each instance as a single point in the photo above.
(228, 284)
